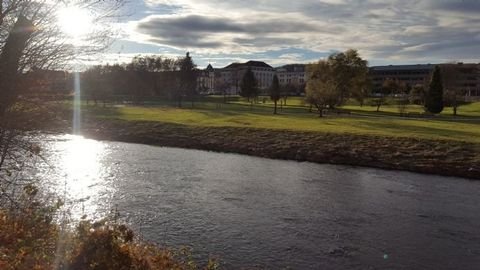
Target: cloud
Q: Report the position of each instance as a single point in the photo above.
(395, 30)
(461, 6)
(196, 31)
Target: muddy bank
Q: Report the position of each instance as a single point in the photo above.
(448, 158)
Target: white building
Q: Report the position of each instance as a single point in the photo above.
(231, 76)
(294, 74)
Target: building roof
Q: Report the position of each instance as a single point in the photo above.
(403, 67)
(292, 68)
(209, 68)
(258, 64)
(249, 64)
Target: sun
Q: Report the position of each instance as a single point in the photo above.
(75, 22)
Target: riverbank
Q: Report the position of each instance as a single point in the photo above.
(439, 157)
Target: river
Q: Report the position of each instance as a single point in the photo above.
(270, 214)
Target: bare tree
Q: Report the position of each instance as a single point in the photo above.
(454, 92)
(31, 38)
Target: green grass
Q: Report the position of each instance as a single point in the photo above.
(363, 120)
(467, 110)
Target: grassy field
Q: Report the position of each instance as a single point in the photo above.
(364, 120)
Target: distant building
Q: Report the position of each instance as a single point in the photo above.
(294, 74)
(293, 77)
(411, 75)
(206, 80)
(463, 78)
(233, 74)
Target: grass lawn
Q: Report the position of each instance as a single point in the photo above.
(363, 120)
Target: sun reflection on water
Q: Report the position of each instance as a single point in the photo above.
(86, 184)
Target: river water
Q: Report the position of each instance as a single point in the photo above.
(268, 214)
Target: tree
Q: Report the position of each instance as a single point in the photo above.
(361, 88)
(401, 95)
(285, 92)
(454, 92)
(453, 98)
(45, 45)
(187, 79)
(322, 94)
(275, 92)
(417, 95)
(434, 97)
(349, 71)
(248, 87)
(31, 38)
(337, 78)
(389, 87)
(322, 90)
(10, 57)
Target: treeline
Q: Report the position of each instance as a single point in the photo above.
(344, 75)
(141, 79)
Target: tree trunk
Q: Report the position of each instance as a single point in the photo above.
(275, 107)
(378, 107)
(9, 61)
(455, 110)
(320, 110)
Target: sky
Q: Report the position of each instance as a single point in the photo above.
(282, 32)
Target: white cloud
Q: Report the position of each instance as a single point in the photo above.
(398, 29)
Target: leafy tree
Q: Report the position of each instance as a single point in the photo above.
(322, 90)
(349, 71)
(332, 81)
(434, 97)
(248, 87)
(275, 92)
(322, 94)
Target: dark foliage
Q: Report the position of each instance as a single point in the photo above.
(434, 98)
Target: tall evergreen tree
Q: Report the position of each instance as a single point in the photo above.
(248, 87)
(275, 92)
(434, 97)
(188, 79)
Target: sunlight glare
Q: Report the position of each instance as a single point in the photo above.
(85, 173)
(75, 22)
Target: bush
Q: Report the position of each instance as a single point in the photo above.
(30, 240)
